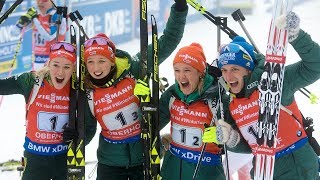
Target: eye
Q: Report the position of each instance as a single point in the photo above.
(67, 67)
(102, 61)
(234, 69)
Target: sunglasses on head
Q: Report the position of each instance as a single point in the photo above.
(66, 46)
(99, 41)
(235, 48)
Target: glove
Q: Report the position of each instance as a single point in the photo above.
(69, 134)
(181, 5)
(227, 135)
(142, 91)
(32, 13)
(210, 135)
(26, 19)
(291, 22)
(23, 21)
(166, 139)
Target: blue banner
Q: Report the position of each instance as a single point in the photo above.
(112, 17)
(9, 42)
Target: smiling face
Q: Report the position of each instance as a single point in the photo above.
(233, 75)
(98, 66)
(187, 77)
(60, 71)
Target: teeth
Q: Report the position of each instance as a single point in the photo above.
(98, 74)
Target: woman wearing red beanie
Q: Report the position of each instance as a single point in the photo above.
(47, 96)
(186, 104)
(111, 82)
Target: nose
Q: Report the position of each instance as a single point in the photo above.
(60, 71)
(96, 66)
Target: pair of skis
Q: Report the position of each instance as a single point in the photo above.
(76, 148)
(149, 106)
(270, 92)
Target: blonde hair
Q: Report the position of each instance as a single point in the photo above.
(44, 73)
(200, 85)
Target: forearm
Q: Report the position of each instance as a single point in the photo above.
(17, 85)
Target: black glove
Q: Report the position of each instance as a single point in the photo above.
(69, 134)
(181, 5)
(25, 19)
(214, 71)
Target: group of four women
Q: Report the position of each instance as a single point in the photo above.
(194, 100)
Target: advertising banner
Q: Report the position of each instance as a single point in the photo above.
(15, 51)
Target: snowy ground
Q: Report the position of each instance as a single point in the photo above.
(203, 32)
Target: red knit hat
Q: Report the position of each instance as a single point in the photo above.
(192, 55)
(100, 44)
(63, 49)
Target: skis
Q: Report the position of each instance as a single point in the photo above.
(75, 154)
(150, 117)
(270, 91)
(145, 136)
(82, 97)
(155, 131)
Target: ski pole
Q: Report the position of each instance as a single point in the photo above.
(238, 16)
(54, 5)
(10, 10)
(201, 156)
(74, 16)
(1, 4)
(222, 117)
(61, 12)
(212, 18)
(223, 21)
(313, 98)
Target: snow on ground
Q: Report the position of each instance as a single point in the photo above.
(203, 32)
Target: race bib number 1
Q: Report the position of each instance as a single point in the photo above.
(187, 136)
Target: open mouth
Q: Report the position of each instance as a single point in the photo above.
(59, 80)
(233, 84)
(184, 84)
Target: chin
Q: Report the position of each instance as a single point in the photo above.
(235, 91)
(59, 85)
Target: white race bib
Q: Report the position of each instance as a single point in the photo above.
(52, 122)
(187, 136)
(122, 117)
